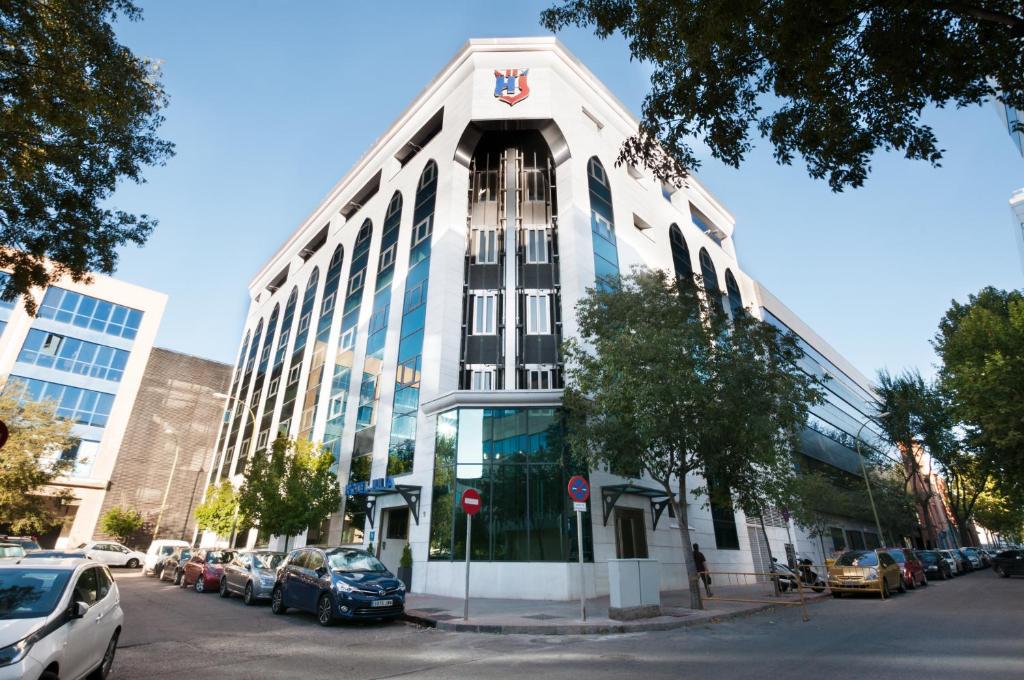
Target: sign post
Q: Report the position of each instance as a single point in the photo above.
(579, 492)
(471, 506)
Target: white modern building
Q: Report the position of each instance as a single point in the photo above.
(412, 322)
(86, 349)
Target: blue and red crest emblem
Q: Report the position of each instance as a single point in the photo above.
(511, 86)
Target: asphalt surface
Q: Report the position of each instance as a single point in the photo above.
(972, 626)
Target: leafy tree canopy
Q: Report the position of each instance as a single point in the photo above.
(662, 384)
(830, 81)
(30, 461)
(290, 489)
(121, 523)
(80, 114)
(219, 511)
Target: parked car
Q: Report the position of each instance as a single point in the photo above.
(251, 574)
(66, 614)
(10, 552)
(974, 557)
(1009, 563)
(203, 570)
(865, 570)
(113, 554)
(172, 566)
(157, 551)
(965, 563)
(953, 560)
(337, 582)
(910, 565)
(986, 556)
(59, 554)
(935, 564)
(26, 542)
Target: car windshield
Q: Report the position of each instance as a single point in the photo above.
(219, 557)
(166, 550)
(970, 551)
(185, 554)
(28, 544)
(898, 556)
(268, 560)
(31, 593)
(11, 551)
(354, 561)
(857, 559)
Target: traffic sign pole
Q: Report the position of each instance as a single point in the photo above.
(579, 542)
(469, 537)
(470, 505)
(579, 492)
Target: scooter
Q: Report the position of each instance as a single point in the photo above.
(787, 578)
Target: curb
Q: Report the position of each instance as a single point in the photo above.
(424, 619)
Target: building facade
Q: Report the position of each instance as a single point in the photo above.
(413, 323)
(86, 349)
(168, 445)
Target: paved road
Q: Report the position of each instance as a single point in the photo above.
(968, 627)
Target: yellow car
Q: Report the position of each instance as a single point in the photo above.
(873, 571)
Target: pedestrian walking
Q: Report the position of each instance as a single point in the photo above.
(702, 568)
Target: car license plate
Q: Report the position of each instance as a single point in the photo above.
(382, 603)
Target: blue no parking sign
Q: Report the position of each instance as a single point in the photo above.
(579, 489)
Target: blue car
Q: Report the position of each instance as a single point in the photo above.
(337, 583)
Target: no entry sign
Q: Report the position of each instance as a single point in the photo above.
(471, 501)
(579, 489)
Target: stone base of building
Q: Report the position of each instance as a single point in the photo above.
(633, 613)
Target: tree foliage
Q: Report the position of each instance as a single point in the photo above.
(829, 81)
(661, 384)
(1000, 514)
(218, 513)
(80, 114)
(290, 489)
(30, 461)
(121, 523)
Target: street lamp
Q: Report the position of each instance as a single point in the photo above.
(167, 489)
(871, 498)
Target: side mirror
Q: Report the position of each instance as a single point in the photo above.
(321, 571)
(78, 610)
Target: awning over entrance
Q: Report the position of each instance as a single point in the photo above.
(386, 487)
(611, 494)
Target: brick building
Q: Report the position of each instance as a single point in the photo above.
(175, 408)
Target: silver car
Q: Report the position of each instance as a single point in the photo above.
(251, 574)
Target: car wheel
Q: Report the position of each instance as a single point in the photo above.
(49, 675)
(901, 587)
(924, 580)
(1004, 573)
(885, 588)
(325, 610)
(177, 577)
(132, 563)
(911, 585)
(103, 670)
(223, 589)
(200, 584)
(277, 602)
(248, 597)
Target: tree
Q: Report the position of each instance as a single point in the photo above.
(121, 523)
(80, 114)
(894, 504)
(815, 500)
(30, 461)
(829, 81)
(999, 514)
(981, 345)
(219, 513)
(660, 383)
(291, 489)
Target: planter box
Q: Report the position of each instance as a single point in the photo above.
(634, 589)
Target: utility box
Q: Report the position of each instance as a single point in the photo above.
(634, 589)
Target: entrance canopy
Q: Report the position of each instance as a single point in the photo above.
(386, 487)
(611, 494)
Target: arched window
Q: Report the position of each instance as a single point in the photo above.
(293, 371)
(230, 408)
(733, 292)
(602, 225)
(710, 275)
(680, 253)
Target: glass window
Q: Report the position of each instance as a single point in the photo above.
(314, 560)
(484, 313)
(31, 593)
(538, 314)
(857, 558)
(50, 350)
(680, 253)
(536, 245)
(89, 312)
(356, 561)
(483, 379)
(485, 246)
(387, 257)
(86, 587)
(83, 406)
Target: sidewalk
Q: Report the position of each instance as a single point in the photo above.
(547, 617)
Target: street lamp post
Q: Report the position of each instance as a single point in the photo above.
(221, 395)
(170, 477)
(864, 471)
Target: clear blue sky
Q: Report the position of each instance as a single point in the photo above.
(272, 102)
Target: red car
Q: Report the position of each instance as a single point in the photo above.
(204, 569)
(910, 566)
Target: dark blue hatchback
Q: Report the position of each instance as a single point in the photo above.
(334, 583)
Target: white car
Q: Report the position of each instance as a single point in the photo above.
(66, 625)
(952, 561)
(113, 554)
(158, 550)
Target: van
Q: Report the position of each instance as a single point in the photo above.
(158, 550)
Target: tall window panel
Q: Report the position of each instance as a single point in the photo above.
(89, 312)
(274, 384)
(6, 304)
(402, 446)
(680, 253)
(229, 410)
(732, 291)
(369, 388)
(341, 383)
(257, 392)
(85, 407)
(241, 420)
(711, 287)
(602, 225)
(328, 304)
(71, 355)
(293, 373)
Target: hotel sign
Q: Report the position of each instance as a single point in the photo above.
(511, 85)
